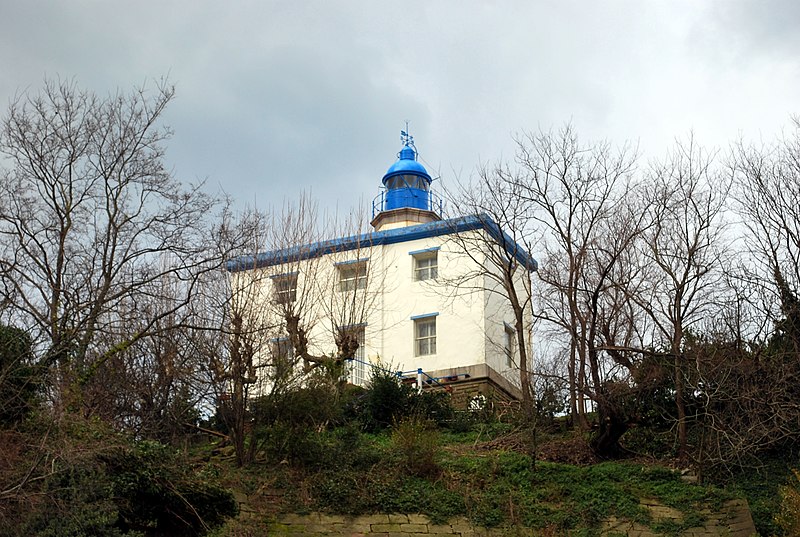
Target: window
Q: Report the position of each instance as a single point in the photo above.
(425, 336)
(282, 350)
(282, 358)
(510, 344)
(407, 181)
(285, 288)
(426, 268)
(426, 264)
(357, 369)
(353, 276)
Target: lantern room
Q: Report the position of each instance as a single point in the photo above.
(406, 198)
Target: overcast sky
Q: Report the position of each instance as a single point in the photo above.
(275, 98)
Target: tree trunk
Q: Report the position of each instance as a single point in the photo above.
(611, 426)
(681, 407)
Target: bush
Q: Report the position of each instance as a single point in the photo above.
(387, 400)
(789, 516)
(98, 483)
(19, 379)
(79, 502)
(291, 425)
(434, 405)
(415, 441)
(154, 489)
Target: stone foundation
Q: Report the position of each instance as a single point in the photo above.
(733, 521)
(318, 525)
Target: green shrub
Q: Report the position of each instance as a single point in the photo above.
(78, 503)
(388, 400)
(290, 424)
(20, 379)
(312, 406)
(385, 401)
(98, 483)
(155, 490)
(415, 442)
(383, 489)
(788, 517)
(435, 406)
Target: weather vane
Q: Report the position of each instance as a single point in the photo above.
(406, 138)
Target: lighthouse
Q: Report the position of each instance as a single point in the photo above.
(407, 292)
(407, 198)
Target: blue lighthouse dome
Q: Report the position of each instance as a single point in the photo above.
(406, 165)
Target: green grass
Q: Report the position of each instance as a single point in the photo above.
(490, 488)
(761, 488)
(503, 488)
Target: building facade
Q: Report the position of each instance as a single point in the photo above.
(415, 293)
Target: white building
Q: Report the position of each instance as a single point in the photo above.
(413, 297)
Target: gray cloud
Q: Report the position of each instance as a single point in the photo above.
(279, 97)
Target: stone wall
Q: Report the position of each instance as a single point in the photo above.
(318, 525)
(733, 520)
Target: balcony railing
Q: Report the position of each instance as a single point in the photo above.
(415, 198)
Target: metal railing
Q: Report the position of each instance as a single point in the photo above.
(433, 203)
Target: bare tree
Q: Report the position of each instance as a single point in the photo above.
(748, 362)
(499, 262)
(154, 387)
(573, 191)
(766, 195)
(90, 218)
(683, 258)
(577, 204)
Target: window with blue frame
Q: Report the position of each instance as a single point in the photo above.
(426, 267)
(425, 336)
(426, 264)
(510, 344)
(352, 276)
(285, 288)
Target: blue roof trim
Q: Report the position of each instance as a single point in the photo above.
(424, 316)
(377, 238)
(425, 251)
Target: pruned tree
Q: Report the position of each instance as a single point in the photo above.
(285, 314)
(329, 286)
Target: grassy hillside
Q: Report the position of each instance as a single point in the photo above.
(418, 469)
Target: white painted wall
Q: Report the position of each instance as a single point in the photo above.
(469, 324)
